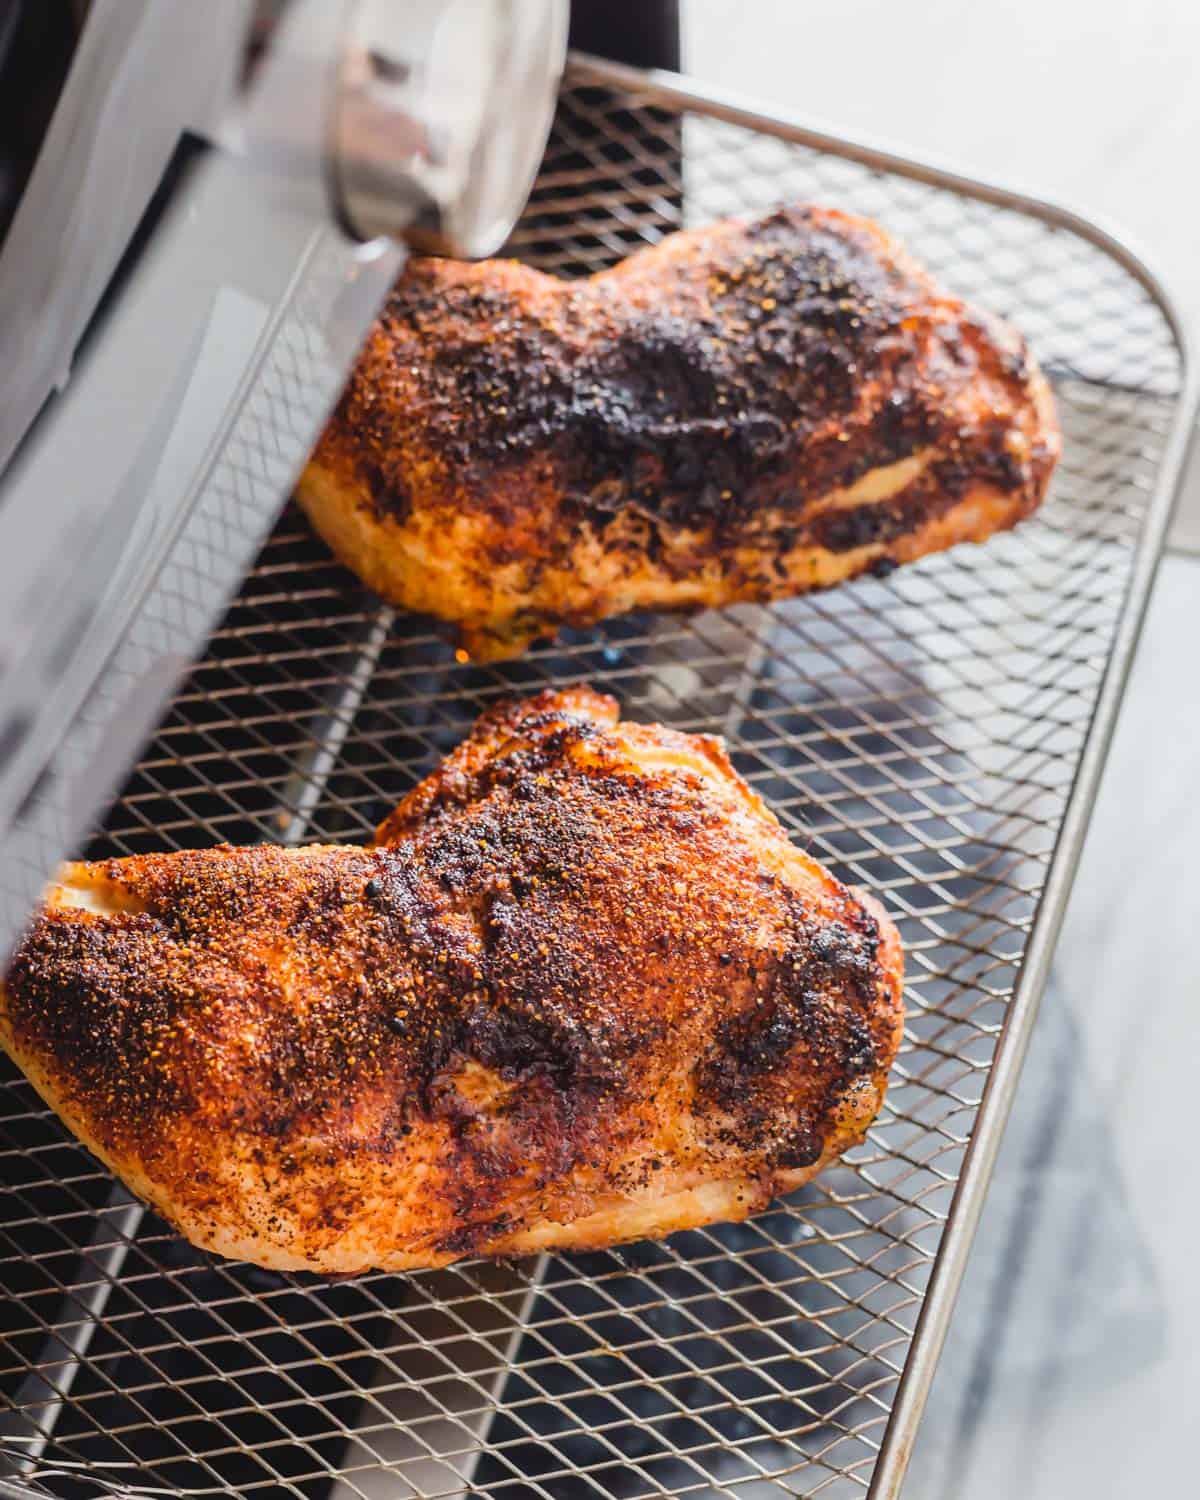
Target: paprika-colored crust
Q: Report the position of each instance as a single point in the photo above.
(583, 990)
(742, 412)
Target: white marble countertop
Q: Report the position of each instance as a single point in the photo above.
(1074, 1357)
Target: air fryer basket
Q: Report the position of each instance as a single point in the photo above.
(935, 736)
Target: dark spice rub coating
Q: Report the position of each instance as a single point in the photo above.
(582, 990)
(742, 412)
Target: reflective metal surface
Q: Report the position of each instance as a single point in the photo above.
(441, 117)
(150, 486)
(1073, 1341)
(935, 736)
(142, 75)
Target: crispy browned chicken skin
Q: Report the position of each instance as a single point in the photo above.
(742, 412)
(585, 992)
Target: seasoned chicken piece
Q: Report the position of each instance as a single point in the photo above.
(742, 412)
(584, 991)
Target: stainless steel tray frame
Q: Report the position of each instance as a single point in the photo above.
(939, 735)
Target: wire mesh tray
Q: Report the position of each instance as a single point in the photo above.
(935, 736)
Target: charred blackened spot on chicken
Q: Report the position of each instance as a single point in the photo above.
(815, 994)
(91, 1000)
(864, 922)
(801, 1148)
(521, 885)
(1007, 470)
(833, 957)
(780, 222)
(517, 1043)
(847, 530)
(599, 506)
(885, 521)
(462, 858)
(747, 1050)
(902, 426)
(562, 736)
(858, 1050)
(988, 460)
(762, 1038)
(472, 1235)
(386, 490)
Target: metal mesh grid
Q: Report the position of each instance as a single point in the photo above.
(920, 734)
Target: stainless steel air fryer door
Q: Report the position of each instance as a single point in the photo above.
(211, 224)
